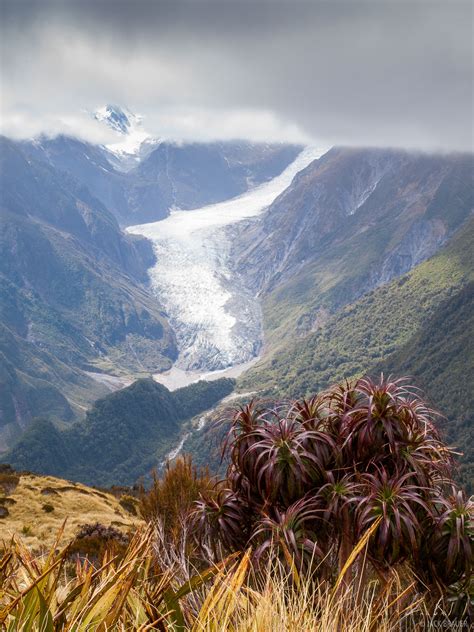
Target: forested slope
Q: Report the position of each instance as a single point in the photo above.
(122, 437)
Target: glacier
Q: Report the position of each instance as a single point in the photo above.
(217, 320)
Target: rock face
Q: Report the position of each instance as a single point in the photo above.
(351, 221)
(421, 241)
(162, 175)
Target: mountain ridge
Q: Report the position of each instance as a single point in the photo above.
(333, 236)
(166, 175)
(73, 295)
(123, 436)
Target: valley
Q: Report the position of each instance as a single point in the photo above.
(303, 267)
(217, 321)
(77, 319)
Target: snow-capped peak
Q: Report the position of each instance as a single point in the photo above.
(115, 117)
(133, 140)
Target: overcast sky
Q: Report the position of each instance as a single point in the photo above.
(381, 72)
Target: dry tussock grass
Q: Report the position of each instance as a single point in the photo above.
(141, 592)
(75, 502)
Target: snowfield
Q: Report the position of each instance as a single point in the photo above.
(217, 322)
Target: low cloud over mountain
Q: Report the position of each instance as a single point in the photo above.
(386, 73)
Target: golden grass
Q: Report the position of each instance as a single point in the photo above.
(240, 601)
(75, 502)
(140, 592)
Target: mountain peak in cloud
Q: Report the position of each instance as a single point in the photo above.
(116, 117)
(129, 126)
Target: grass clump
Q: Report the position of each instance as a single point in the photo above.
(170, 497)
(138, 591)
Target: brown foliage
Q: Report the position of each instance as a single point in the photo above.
(8, 482)
(171, 497)
(129, 503)
(93, 540)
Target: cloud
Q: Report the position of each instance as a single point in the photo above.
(368, 73)
(22, 122)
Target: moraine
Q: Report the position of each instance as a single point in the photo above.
(216, 320)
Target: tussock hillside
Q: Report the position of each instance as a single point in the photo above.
(35, 507)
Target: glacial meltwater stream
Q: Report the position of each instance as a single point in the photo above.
(216, 320)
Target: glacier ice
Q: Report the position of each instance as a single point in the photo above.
(216, 320)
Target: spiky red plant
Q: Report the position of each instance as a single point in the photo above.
(290, 533)
(220, 519)
(449, 549)
(288, 459)
(312, 478)
(397, 501)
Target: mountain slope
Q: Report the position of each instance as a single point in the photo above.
(351, 221)
(122, 437)
(420, 324)
(73, 300)
(38, 507)
(167, 174)
(196, 174)
(371, 328)
(441, 356)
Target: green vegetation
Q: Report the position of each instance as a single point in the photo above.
(419, 324)
(122, 438)
(441, 355)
